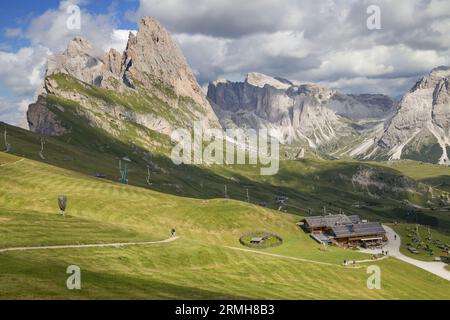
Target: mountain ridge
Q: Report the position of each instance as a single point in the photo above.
(150, 84)
(309, 115)
(321, 118)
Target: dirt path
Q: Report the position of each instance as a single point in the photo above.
(84, 246)
(11, 163)
(284, 257)
(393, 247)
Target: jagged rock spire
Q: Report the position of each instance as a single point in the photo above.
(151, 66)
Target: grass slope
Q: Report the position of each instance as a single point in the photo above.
(309, 184)
(199, 265)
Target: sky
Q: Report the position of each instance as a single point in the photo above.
(323, 41)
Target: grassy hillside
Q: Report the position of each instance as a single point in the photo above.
(389, 194)
(435, 175)
(419, 170)
(309, 183)
(198, 265)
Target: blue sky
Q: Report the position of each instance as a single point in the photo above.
(21, 12)
(325, 42)
(18, 42)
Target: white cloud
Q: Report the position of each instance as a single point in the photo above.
(438, 8)
(230, 18)
(118, 40)
(13, 32)
(309, 41)
(371, 85)
(50, 29)
(22, 71)
(13, 112)
(378, 62)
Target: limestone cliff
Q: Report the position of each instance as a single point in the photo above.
(149, 86)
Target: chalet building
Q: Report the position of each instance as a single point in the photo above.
(345, 231)
(320, 224)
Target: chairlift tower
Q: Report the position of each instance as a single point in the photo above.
(41, 153)
(7, 144)
(123, 167)
(148, 176)
(226, 192)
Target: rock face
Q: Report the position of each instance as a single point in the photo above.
(369, 126)
(78, 61)
(308, 114)
(363, 107)
(149, 85)
(81, 62)
(149, 88)
(42, 120)
(152, 56)
(420, 129)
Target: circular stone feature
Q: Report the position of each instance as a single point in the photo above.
(260, 240)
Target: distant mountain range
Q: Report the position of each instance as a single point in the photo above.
(333, 124)
(150, 89)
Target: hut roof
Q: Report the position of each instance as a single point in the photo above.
(332, 220)
(358, 230)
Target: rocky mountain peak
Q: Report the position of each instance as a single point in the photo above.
(261, 80)
(113, 61)
(320, 93)
(420, 129)
(152, 55)
(433, 78)
(150, 82)
(78, 61)
(309, 114)
(442, 71)
(153, 58)
(79, 46)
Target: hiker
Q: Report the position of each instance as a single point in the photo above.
(174, 233)
(395, 236)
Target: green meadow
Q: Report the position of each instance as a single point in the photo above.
(202, 264)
